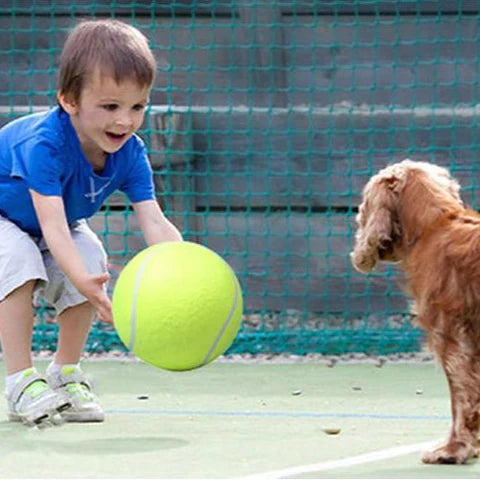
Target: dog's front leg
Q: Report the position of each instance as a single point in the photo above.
(463, 375)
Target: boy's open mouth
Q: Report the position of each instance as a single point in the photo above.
(116, 136)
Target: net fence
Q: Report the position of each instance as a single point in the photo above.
(266, 120)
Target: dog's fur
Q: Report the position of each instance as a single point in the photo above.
(412, 213)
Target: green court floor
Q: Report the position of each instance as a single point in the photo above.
(252, 421)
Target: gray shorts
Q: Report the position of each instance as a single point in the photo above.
(24, 258)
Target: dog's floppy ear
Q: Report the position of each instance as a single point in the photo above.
(378, 228)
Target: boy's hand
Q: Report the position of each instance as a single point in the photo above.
(92, 287)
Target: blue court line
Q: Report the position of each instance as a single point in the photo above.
(258, 414)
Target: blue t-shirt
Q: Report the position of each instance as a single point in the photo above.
(42, 152)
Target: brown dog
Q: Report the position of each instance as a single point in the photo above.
(412, 213)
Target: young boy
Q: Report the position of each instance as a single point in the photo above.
(56, 169)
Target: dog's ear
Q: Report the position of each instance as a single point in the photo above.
(378, 228)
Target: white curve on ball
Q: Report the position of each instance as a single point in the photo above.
(133, 313)
(225, 324)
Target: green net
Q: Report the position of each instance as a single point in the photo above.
(266, 120)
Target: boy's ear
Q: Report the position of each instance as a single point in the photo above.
(67, 103)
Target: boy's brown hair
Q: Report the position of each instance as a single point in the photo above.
(116, 48)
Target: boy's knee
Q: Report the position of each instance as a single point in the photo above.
(20, 262)
(95, 258)
(91, 249)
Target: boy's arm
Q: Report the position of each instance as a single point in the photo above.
(51, 216)
(155, 226)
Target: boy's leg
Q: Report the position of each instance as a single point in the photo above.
(64, 374)
(28, 395)
(74, 325)
(16, 326)
(21, 267)
(74, 320)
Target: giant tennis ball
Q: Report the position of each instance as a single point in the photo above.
(177, 305)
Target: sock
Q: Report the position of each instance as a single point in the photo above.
(55, 368)
(12, 379)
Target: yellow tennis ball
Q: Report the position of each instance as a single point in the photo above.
(177, 305)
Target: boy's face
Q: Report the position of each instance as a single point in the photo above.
(107, 113)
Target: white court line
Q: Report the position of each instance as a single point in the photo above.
(342, 463)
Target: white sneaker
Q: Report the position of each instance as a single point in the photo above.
(33, 402)
(71, 383)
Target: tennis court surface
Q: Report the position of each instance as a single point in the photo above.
(245, 420)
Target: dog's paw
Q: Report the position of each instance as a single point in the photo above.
(450, 453)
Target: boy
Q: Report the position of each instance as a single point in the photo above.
(56, 169)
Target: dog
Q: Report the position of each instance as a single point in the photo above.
(412, 214)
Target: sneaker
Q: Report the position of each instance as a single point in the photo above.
(71, 382)
(33, 402)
